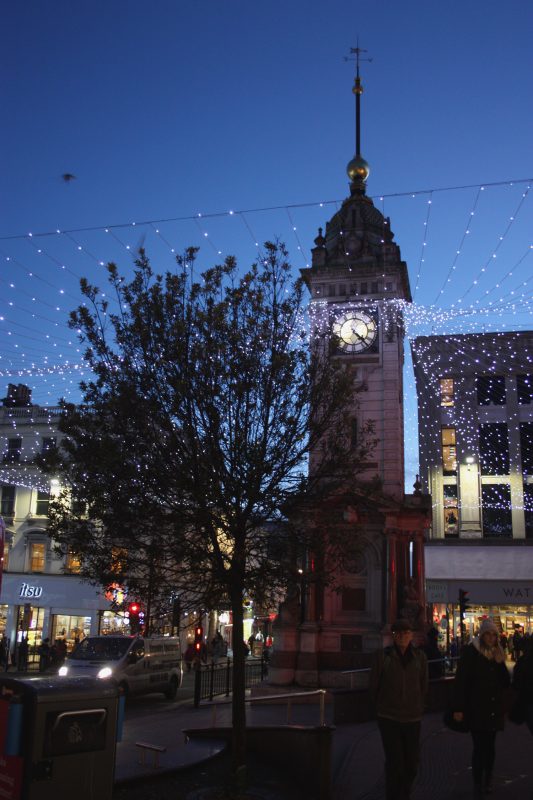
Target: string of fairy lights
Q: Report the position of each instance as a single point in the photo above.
(41, 271)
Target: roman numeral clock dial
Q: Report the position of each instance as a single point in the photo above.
(356, 332)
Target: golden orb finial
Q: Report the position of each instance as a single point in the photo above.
(358, 169)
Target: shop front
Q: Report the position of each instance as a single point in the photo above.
(497, 582)
(57, 607)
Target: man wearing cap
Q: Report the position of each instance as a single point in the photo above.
(399, 681)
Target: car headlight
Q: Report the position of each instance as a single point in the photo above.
(105, 672)
(63, 671)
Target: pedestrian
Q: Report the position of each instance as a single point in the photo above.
(478, 698)
(190, 653)
(22, 655)
(44, 655)
(399, 682)
(217, 647)
(433, 654)
(4, 653)
(523, 686)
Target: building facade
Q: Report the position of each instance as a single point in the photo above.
(475, 400)
(41, 594)
(359, 285)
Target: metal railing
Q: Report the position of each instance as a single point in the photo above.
(320, 693)
(438, 668)
(216, 679)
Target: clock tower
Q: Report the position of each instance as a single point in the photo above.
(359, 285)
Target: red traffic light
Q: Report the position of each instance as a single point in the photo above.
(134, 608)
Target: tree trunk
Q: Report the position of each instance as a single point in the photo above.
(238, 697)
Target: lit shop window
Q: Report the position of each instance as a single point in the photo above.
(449, 451)
(37, 556)
(73, 562)
(490, 390)
(446, 392)
(451, 511)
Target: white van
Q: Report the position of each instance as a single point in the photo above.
(138, 665)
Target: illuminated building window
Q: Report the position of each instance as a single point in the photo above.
(5, 562)
(41, 506)
(37, 556)
(7, 504)
(524, 388)
(490, 390)
(526, 447)
(494, 449)
(73, 562)
(449, 451)
(446, 392)
(49, 443)
(451, 511)
(496, 508)
(14, 448)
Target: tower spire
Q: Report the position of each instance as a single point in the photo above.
(358, 169)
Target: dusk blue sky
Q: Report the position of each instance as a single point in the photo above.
(170, 109)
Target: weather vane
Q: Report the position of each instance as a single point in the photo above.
(358, 91)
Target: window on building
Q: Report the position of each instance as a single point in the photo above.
(353, 433)
(353, 599)
(14, 449)
(342, 289)
(524, 389)
(49, 443)
(5, 559)
(389, 286)
(364, 288)
(353, 288)
(37, 556)
(446, 392)
(490, 390)
(41, 506)
(451, 511)
(528, 509)
(496, 510)
(526, 447)
(374, 287)
(73, 562)
(7, 504)
(331, 290)
(449, 451)
(494, 449)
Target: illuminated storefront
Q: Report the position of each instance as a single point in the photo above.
(497, 579)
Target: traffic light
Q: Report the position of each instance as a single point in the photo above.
(134, 611)
(464, 605)
(198, 639)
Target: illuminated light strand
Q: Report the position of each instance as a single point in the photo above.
(311, 204)
(507, 275)
(466, 232)
(205, 235)
(295, 234)
(494, 252)
(424, 245)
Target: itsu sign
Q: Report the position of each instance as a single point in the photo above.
(27, 590)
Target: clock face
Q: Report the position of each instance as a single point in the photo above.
(356, 330)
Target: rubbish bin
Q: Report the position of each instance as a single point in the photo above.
(57, 738)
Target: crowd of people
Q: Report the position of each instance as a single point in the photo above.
(50, 656)
(483, 692)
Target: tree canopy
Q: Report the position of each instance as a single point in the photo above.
(192, 442)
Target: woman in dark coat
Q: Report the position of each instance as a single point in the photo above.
(478, 696)
(523, 684)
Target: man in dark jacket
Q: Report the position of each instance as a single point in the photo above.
(399, 681)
